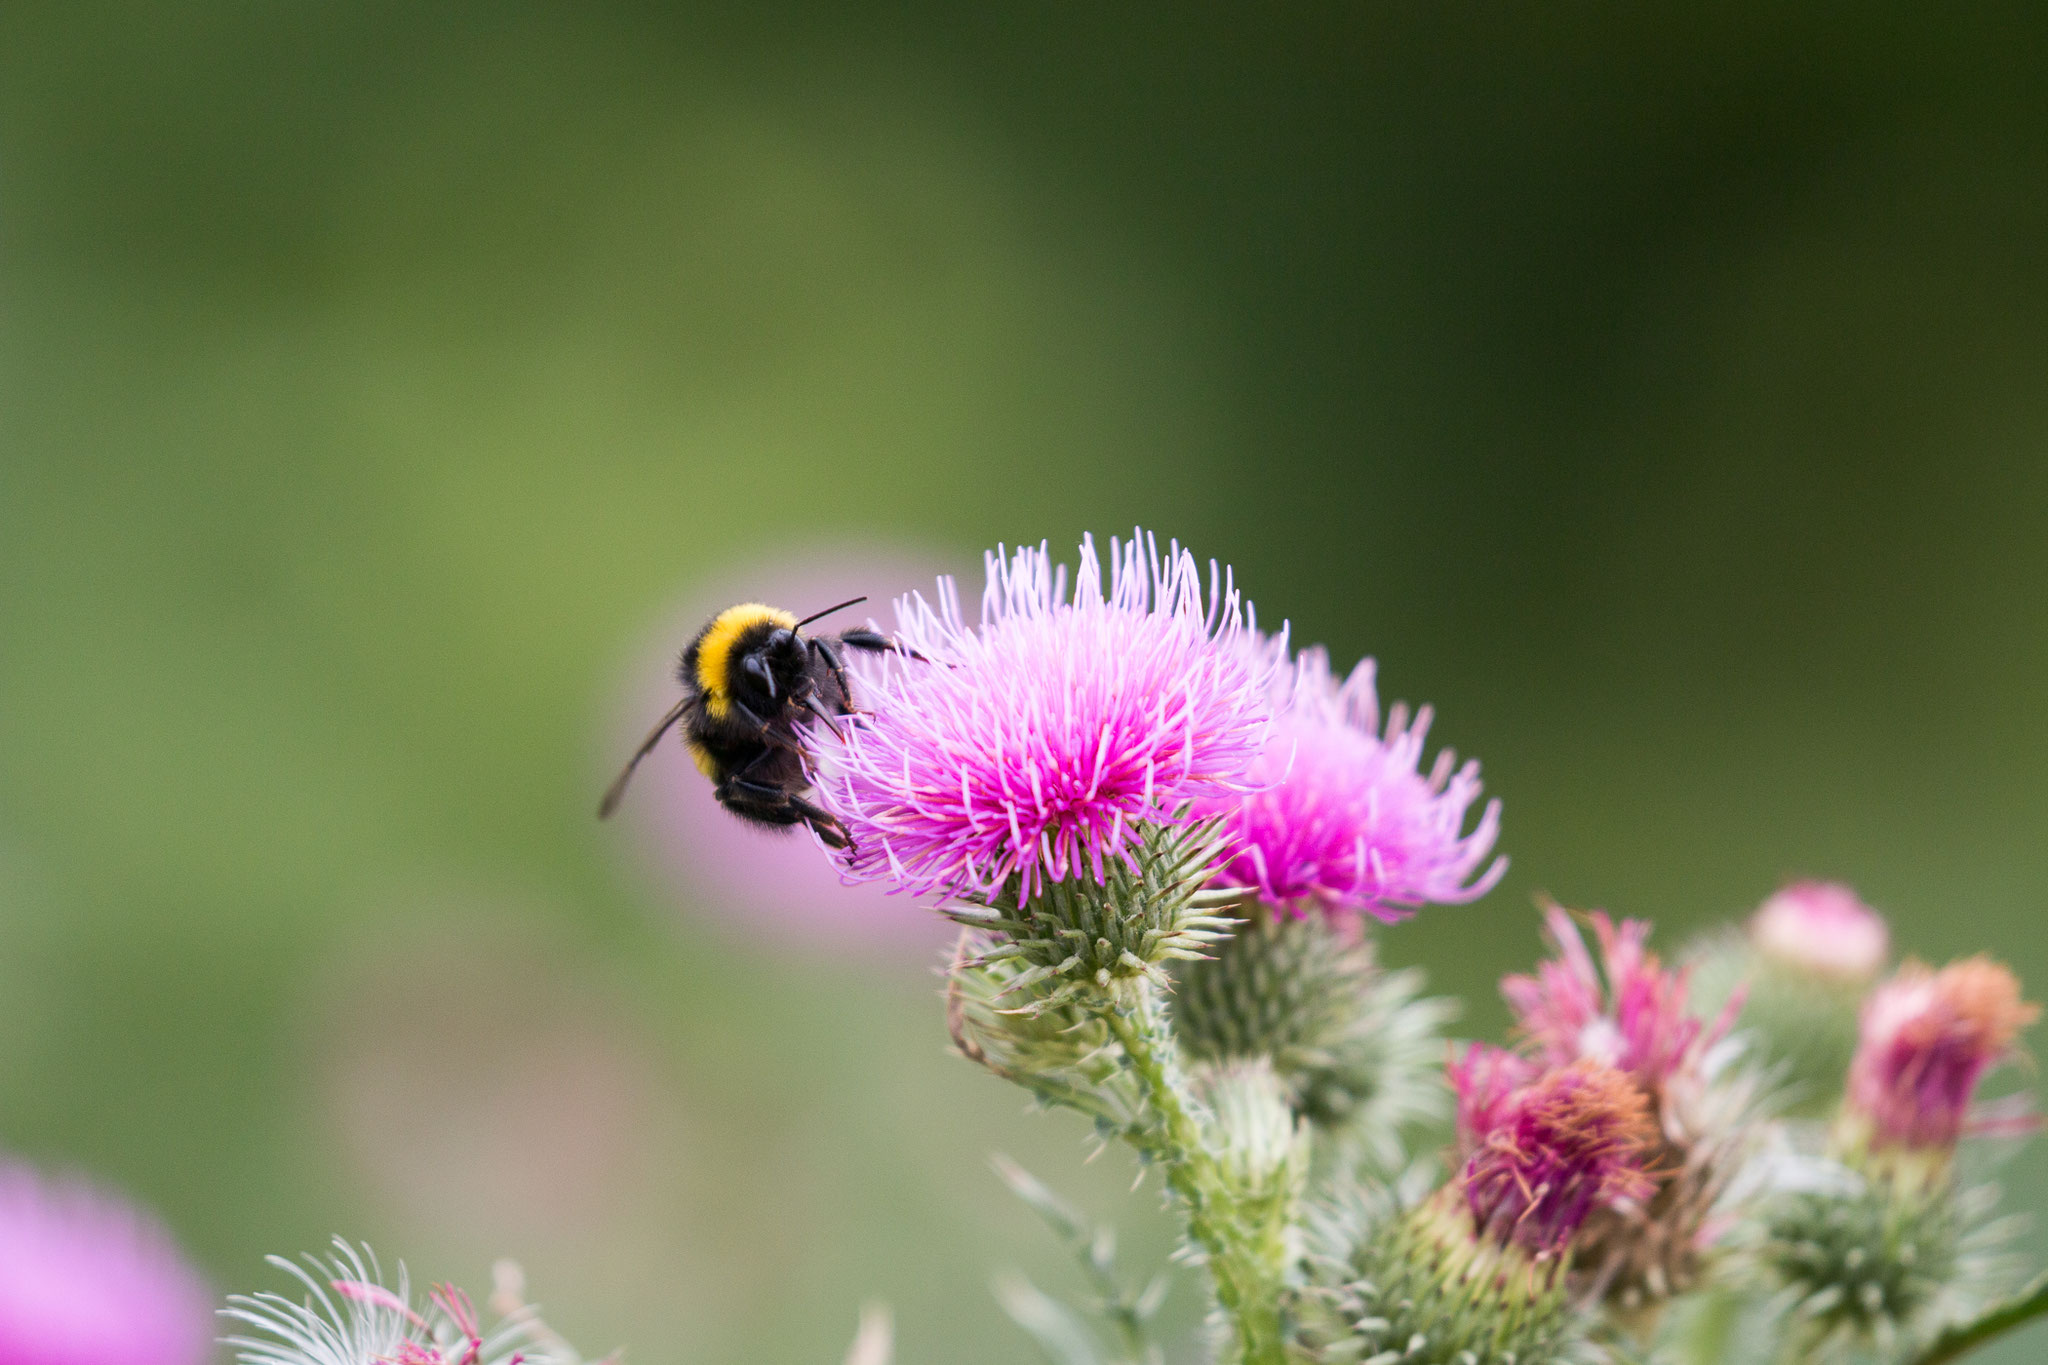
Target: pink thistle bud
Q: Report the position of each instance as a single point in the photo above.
(1822, 928)
(1341, 814)
(1927, 1038)
(87, 1280)
(1628, 1011)
(1037, 744)
(1571, 1142)
(1484, 1079)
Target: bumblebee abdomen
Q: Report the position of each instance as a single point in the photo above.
(708, 662)
(706, 763)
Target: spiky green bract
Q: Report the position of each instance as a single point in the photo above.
(1081, 937)
(1358, 1047)
(1421, 1289)
(1054, 1048)
(1862, 1266)
(1801, 1027)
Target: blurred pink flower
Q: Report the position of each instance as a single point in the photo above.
(1568, 1143)
(1340, 815)
(1822, 928)
(1927, 1039)
(1628, 1011)
(1033, 745)
(85, 1279)
(1483, 1080)
(715, 866)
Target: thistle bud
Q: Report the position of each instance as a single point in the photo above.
(1821, 930)
(1263, 1148)
(1356, 1046)
(1476, 1272)
(1863, 1263)
(1927, 1038)
(1804, 964)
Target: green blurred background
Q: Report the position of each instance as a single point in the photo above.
(1660, 393)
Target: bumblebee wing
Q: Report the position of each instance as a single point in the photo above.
(617, 791)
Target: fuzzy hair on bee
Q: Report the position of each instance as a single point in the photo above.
(751, 680)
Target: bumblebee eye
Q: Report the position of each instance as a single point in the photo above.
(757, 667)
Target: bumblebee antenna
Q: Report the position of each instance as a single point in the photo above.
(614, 793)
(849, 602)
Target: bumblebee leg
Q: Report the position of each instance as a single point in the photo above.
(835, 668)
(824, 822)
(874, 642)
(773, 806)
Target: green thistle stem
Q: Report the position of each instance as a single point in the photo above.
(1246, 1265)
(2026, 1306)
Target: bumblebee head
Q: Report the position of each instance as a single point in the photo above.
(778, 667)
(751, 651)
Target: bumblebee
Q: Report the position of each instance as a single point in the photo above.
(750, 677)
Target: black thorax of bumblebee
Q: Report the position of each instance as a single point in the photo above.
(751, 680)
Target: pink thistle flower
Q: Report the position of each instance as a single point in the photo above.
(1483, 1080)
(1561, 1147)
(87, 1280)
(1628, 1011)
(1340, 813)
(1822, 928)
(1927, 1038)
(1033, 745)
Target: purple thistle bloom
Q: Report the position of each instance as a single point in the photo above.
(87, 1280)
(1033, 745)
(1484, 1080)
(1561, 1147)
(1628, 1010)
(1341, 814)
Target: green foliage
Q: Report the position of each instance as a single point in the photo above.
(1059, 1331)
(2028, 1305)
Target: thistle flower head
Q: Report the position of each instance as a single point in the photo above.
(1570, 1142)
(87, 1280)
(1927, 1038)
(349, 1315)
(1035, 745)
(1821, 929)
(1628, 1011)
(1341, 814)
